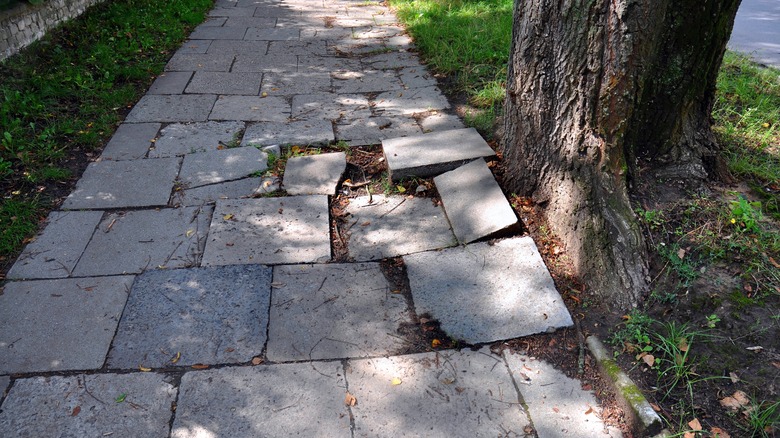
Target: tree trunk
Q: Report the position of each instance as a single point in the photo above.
(595, 87)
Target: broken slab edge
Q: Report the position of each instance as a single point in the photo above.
(427, 171)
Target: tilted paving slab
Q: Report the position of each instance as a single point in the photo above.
(302, 132)
(218, 33)
(304, 399)
(431, 154)
(221, 165)
(57, 325)
(285, 84)
(269, 231)
(182, 317)
(390, 226)
(277, 63)
(330, 106)
(186, 138)
(441, 394)
(557, 404)
(474, 203)
(191, 60)
(372, 130)
(213, 82)
(88, 406)
(172, 108)
(172, 82)
(115, 184)
(242, 188)
(251, 108)
(483, 293)
(54, 253)
(131, 141)
(235, 47)
(441, 122)
(334, 311)
(411, 101)
(136, 241)
(314, 174)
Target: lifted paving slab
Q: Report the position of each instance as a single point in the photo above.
(395, 225)
(172, 108)
(54, 253)
(314, 174)
(334, 311)
(271, 231)
(221, 165)
(242, 188)
(302, 399)
(484, 293)
(187, 138)
(304, 132)
(431, 154)
(131, 141)
(56, 325)
(183, 317)
(86, 406)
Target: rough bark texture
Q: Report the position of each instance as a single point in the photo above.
(594, 87)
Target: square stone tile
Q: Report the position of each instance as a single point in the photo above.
(182, 317)
(270, 231)
(314, 174)
(186, 61)
(223, 165)
(186, 138)
(172, 108)
(212, 82)
(117, 184)
(303, 132)
(242, 188)
(56, 325)
(131, 141)
(334, 311)
(136, 241)
(278, 63)
(172, 82)
(330, 106)
(251, 108)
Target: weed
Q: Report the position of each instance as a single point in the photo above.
(746, 214)
(763, 418)
(653, 219)
(712, 321)
(634, 337)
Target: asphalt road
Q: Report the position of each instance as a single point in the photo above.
(757, 31)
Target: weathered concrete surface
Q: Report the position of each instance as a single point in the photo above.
(440, 122)
(172, 82)
(287, 84)
(212, 82)
(408, 102)
(251, 108)
(303, 132)
(242, 188)
(314, 174)
(373, 130)
(221, 165)
(131, 141)
(172, 108)
(330, 106)
(187, 138)
(198, 60)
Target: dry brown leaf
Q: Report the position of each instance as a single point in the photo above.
(717, 432)
(556, 410)
(776, 364)
(689, 435)
(75, 411)
(435, 343)
(199, 366)
(734, 377)
(681, 253)
(735, 401)
(655, 407)
(774, 263)
(589, 411)
(227, 217)
(683, 345)
(649, 359)
(257, 360)
(694, 424)
(144, 369)
(230, 350)
(350, 400)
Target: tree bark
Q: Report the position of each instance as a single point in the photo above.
(596, 87)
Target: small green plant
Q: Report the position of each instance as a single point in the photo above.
(745, 214)
(763, 419)
(712, 321)
(654, 219)
(634, 337)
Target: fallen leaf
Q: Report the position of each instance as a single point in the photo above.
(350, 400)
(774, 263)
(296, 150)
(396, 381)
(683, 345)
(735, 401)
(776, 364)
(589, 411)
(448, 381)
(689, 435)
(655, 407)
(365, 224)
(264, 94)
(734, 378)
(189, 233)
(649, 359)
(401, 189)
(177, 357)
(556, 410)
(257, 360)
(121, 397)
(694, 424)
(199, 366)
(144, 369)
(717, 432)
(396, 291)
(681, 253)
(227, 217)
(435, 343)
(75, 411)
(230, 350)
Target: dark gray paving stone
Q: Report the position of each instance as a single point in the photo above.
(186, 138)
(474, 203)
(131, 141)
(447, 393)
(232, 12)
(242, 188)
(174, 108)
(276, 34)
(115, 184)
(270, 231)
(280, 63)
(210, 82)
(365, 81)
(187, 61)
(411, 101)
(314, 174)
(296, 83)
(304, 132)
(223, 165)
(431, 154)
(390, 226)
(218, 33)
(172, 82)
(304, 400)
(299, 48)
(136, 241)
(255, 48)
(183, 317)
(375, 129)
(54, 253)
(259, 22)
(251, 108)
(334, 311)
(319, 32)
(214, 21)
(484, 293)
(56, 325)
(330, 106)
(277, 10)
(86, 406)
(441, 122)
(197, 46)
(4, 382)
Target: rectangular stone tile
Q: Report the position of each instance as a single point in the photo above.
(174, 108)
(211, 82)
(86, 406)
(334, 311)
(270, 231)
(247, 63)
(218, 33)
(131, 141)
(136, 241)
(442, 394)
(187, 138)
(314, 174)
(327, 64)
(182, 317)
(257, 22)
(251, 109)
(330, 106)
(54, 253)
(484, 293)
(305, 400)
(299, 48)
(232, 12)
(440, 122)
(411, 101)
(200, 61)
(120, 184)
(390, 226)
(242, 188)
(304, 132)
(431, 154)
(373, 130)
(214, 21)
(279, 11)
(296, 83)
(56, 325)
(365, 81)
(416, 77)
(172, 82)
(256, 48)
(391, 60)
(197, 46)
(222, 165)
(276, 34)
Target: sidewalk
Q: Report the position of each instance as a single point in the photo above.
(182, 290)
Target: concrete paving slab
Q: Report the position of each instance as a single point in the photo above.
(431, 154)
(212, 82)
(391, 60)
(276, 34)
(334, 311)
(296, 83)
(251, 108)
(4, 382)
(475, 205)
(270, 231)
(188, 61)
(56, 325)
(277, 10)
(86, 406)
(54, 253)
(370, 32)
(365, 81)
(327, 63)
(557, 404)
(223, 165)
(314, 174)
(411, 101)
(299, 48)
(182, 317)
(214, 21)
(304, 132)
(330, 106)
(136, 241)
(172, 82)
(416, 77)
(247, 63)
(232, 12)
(242, 188)
(375, 129)
(197, 46)
(357, 48)
(483, 293)
(321, 32)
(270, 400)
(131, 141)
(757, 31)
(440, 394)
(256, 48)
(186, 138)
(259, 22)
(114, 184)
(218, 33)
(390, 226)
(173, 108)
(441, 122)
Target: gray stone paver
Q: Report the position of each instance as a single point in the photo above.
(197, 46)
(370, 81)
(62, 324)
(251, 108)
(212, 82)
(281, 84)
(300, 48)
(277, 63)
(222, 165)
(218, 33)
(373, 130)
(186, 138)
(411, 101)
(86, 406)
(276, 34)
(302, 133)
(4, 382)
(172, 82)
(314, 174)
(242, 188)
(172, 108)
(236, 47)
(191, 60)
(130, 141)
(440, 122)
(330, 106)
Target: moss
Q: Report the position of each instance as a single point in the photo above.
(631, 393)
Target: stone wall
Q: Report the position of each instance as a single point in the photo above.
(25, 23)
